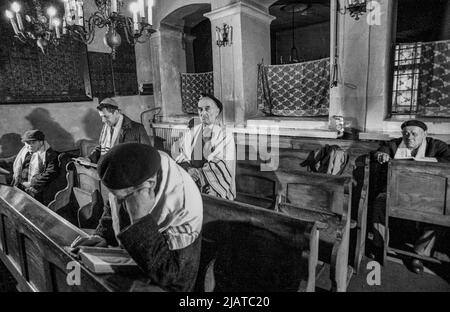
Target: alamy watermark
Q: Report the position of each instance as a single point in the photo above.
(256, 143)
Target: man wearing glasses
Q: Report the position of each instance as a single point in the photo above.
(414, 144)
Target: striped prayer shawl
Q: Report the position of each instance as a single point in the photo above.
(219, 179)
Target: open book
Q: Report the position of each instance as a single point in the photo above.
(427, 159)
(83, 162)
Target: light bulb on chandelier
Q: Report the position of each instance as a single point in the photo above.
(42, 30)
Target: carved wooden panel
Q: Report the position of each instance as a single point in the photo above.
(34, 264)
(29, 76)
(124, 70)
(113, 77)
(11, 247)
(100, 70)
(419, 191)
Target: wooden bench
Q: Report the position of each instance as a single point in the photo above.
(260, 189)
(32, 241)
(83, 188)
(248, 248)
(317, 197)
(417, 191)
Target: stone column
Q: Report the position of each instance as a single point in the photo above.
(169, 59)
(189, 49)
(235, 65)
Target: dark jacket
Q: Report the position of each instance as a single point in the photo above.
(435, 148)
(39, 183)
(131, 132)
(378, 172)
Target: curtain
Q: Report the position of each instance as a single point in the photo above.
(434, 79)
(301, 89)
(192, 86)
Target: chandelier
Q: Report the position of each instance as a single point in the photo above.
(50, 28)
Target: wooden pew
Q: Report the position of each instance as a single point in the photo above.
(83, 188)
(317, 197)
(32, 241)
(248, 248)
(417, 191)
(260, 190)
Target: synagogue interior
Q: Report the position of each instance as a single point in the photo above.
(225, 145)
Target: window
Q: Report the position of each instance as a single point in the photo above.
(406, 78)
(421, 59)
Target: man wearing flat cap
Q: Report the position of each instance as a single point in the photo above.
(207, 151)
(117, 128)
(157, 214)
(36, 164)
(415, 144)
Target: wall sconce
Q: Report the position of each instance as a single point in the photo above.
(355, 7)
(224, 35)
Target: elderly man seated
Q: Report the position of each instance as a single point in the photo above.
(207, 152)
(36, 165)
(156, 211)
(414, 143)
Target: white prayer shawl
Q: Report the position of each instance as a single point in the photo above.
(178, 208)
(220, 171)
(404, 152)
(107, 139)
(37, 162)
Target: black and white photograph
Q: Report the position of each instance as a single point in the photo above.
(224, 151)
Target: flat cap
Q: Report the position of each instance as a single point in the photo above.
(127, 165)
(33, 135)
(414, 122)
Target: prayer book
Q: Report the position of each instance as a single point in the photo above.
(84, 162)
(107, 260)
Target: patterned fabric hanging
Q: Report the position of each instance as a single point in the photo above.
(301, 89)
(192, 86)
(434, 79)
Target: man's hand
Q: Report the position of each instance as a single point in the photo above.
(82, 159)
(92, 241)
(26, 184)
(194, 173)
(382, 157)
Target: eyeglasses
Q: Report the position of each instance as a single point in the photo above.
(409, 133)
(134, 191)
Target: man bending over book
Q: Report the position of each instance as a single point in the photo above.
(156, 211)
(414, 144)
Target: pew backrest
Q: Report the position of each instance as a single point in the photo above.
(255, 249)
(419, 191)
(32, 241)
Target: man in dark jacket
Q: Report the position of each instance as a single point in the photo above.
(156, 211)
(36, 165)
(414, 144)
(117, 128)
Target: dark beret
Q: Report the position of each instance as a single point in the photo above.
(413, 122)
(33, 135)
(108, 103)
(127, 165)
(216, 100)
